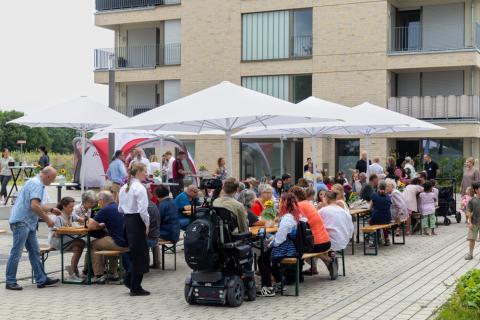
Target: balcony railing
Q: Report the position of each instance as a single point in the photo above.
(133, 110)
(301, 46)
(439, 108)
(410, 39)
(148, 56)
(105, 5)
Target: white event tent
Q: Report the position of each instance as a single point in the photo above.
(82, 114)
(364, 120)
(227, 107)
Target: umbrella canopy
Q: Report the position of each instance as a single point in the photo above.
(226, 107)
(365, 120)
(82, 113)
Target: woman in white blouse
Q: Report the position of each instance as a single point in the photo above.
(134, 204)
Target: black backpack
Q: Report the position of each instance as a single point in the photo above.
(199, 245)
(303, 241)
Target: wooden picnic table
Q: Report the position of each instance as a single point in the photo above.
(74, 233)
(357, 213)
(255, 229)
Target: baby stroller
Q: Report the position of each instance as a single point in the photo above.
(447, 203)
(221, 261)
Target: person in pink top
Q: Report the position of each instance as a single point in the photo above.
(427, 208)
(410, 195)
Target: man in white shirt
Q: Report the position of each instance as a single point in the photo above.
(140, 158)
(338, 223)
(408, 165)
(375, 168)
(170, 159)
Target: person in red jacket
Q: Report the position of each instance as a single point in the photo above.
(320, 234)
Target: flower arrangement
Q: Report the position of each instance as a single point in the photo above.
(157, 173)
(401, 186)
(269, 213)
(202, 168)
(62, 172)
(353, 197)
(37, 169)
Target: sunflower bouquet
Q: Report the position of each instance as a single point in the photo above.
(62, 172)
(269, 213)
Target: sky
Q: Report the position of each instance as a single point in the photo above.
(46, 56)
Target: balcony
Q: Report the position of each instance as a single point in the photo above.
(412, 39)
(139, 57)
(460, 109)
(301, 46)
(133, 110)
(106, 5)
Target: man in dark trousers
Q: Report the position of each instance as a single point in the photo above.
(362, 163)
(430, 166)
(178, 173)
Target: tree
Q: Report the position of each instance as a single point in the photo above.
(55, 139)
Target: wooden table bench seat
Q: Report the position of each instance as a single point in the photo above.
(373, 230)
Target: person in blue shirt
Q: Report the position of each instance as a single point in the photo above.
(111, 219)
(381, 214)
(23, 223)
(187, 198)
(169, 224)
(116, 170)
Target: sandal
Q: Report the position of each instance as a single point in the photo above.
(309, 272)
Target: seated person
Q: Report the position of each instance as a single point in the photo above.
(227, 201)
(381, 214)
(89, 201)
(247, 198)
(112, 220)
(320, 234)
(66, 219)
(279, 246)
(154, 227)
(370, 188)
(169, 225)
(184, 202)
(337, 221)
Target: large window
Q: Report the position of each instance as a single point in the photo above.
(277, 35)
(293, 88)
(348, 151)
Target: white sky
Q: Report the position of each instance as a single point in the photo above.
(46, 52)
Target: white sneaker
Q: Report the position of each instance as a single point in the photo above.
(69, 270)
(267, 292)
(74, 278)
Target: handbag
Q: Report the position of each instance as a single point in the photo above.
(284, 250)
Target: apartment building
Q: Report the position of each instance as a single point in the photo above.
(420, 58)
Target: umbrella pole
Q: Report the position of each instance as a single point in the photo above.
(281, 156)
(314, 157)
(228, 134)
(366, 148)
(82, 168)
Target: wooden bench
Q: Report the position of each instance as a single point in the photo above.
(3, 231)
(373, 231)
(296, 262)
(167, 247)
(44, 251)
(111, 257)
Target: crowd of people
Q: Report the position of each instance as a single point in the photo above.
(131, 216)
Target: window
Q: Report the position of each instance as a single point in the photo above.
(347, 154)
(276, 35)
(293, 88)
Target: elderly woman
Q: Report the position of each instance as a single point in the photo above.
(247, 198)
(470, 175)
(84, 209)
(398, 208)
(265, 192)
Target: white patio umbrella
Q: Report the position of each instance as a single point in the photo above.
(226, 107)
(364, 120)
(82, 114)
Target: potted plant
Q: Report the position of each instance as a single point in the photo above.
(157, 176)
(269, 213)
(61, 178)
(202, 170)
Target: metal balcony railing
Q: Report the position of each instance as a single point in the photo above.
(105, 5)
(301, 46)
(439, 108)
(148, 56)
(133, 110)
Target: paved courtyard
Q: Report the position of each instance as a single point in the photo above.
(402, 282)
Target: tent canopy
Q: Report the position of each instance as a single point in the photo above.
(81, 113)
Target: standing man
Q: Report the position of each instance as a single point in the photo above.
(308, 165)
(361, 165)
(178, 173)
(375, 168)
(23, 223)
(140, 158)
(170, 160)
(116, 170)
(430, 166)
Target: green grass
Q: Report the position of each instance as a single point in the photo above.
(464, 304)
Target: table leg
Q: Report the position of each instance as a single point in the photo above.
(14, 179)
(89, 271)
(59, 193)
(61, 257)
(358, 228)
